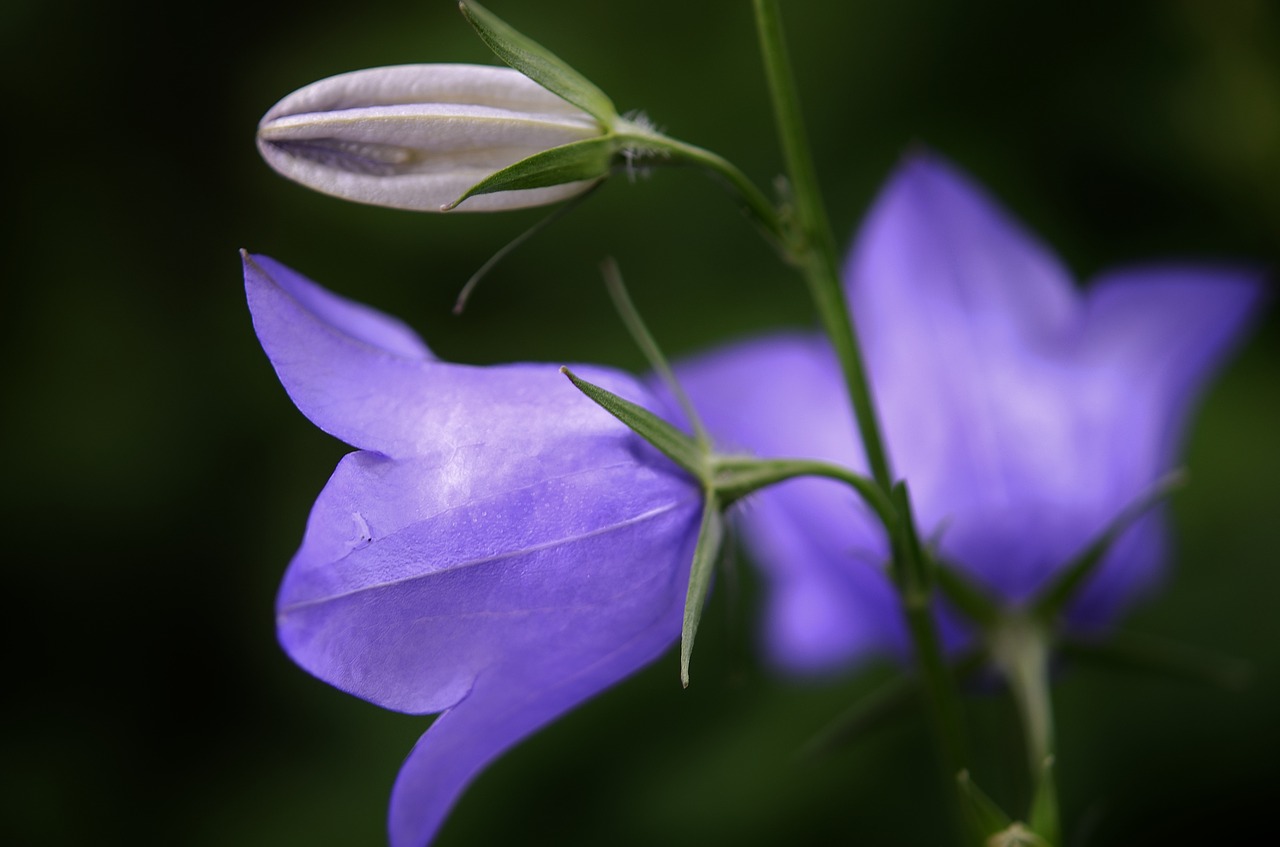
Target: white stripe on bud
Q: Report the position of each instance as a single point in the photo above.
(418, 136)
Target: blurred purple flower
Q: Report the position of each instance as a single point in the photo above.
(499, 549)
(1024, 414)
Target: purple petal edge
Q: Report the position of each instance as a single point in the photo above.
(465, 739)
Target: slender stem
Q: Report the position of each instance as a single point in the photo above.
(1020, 647)
(914, 574)
(738, 476)
(564, 209)
(757, 205)
(816, 249)
(937, 686)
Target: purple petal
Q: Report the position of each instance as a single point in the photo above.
(1009, 402)
(502, 590)
(502, 709)
(963, 317)
(417, 575)
(937, 255)
(360, 322)
(1151, 339)
(365, 378)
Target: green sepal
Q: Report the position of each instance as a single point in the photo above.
(1016, 835)
(538, 63)
(590, 158)
(728, 477)
(705, 555)
(735, 477)
(1130, 653)
(982, 817)
(691, 455)
(649, 346)
(1056, 597)
(1043, 817)
(678, 447)
(988, 824)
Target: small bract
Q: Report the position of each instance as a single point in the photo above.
(419, 136)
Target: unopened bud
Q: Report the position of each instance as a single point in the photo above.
(420, 136)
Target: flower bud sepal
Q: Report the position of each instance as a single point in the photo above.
(632, 137)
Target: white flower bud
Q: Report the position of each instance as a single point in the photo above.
(418, 136)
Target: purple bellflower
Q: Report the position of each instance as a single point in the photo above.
(499, 549)
(1025, 415)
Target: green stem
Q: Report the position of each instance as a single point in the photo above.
(913, 573)
(757, 205)
(737, 476)
(943, 705)
(813, 243)
(1020, 647)
(815, 251)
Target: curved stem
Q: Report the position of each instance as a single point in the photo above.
(816, 248)
(647, 141)
(736, 477)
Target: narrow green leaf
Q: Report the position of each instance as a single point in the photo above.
(896, 698)
(538, 63)
(1073, 577)
(556, 214)
(1044, 805)
(981, 814)
(590, 158)
(735, 477)
(1131, 653)
(677, 446)
(649, 346)
(972, 602)
(710, 535)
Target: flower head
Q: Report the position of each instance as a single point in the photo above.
(1026, 415)
(419, 136)
(499, 549)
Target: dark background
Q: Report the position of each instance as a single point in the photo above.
(158, 478)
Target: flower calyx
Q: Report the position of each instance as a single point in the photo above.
(724, 479)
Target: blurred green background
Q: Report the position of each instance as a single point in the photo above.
(158, 478)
